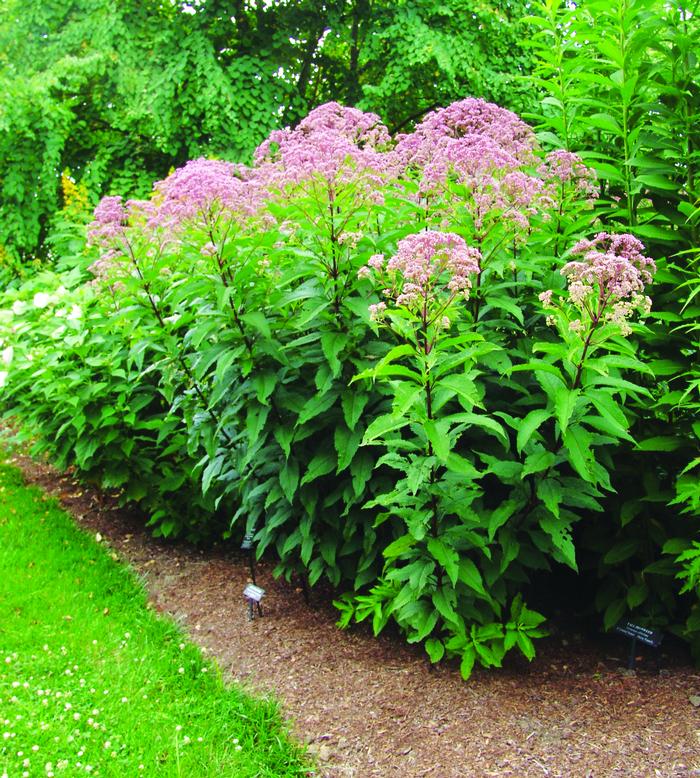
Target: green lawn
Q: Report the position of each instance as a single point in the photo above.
(92, 682)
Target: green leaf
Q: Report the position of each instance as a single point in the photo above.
(444, 605)
(445, 556)
(470, 576)
(636, 595)
(435, 649)
(284, 436)
(263, 384)
(526, 646)
(614, 612)
(537, 462)
(437, 433)
(353, 404)
(322, 464)
(346, 444)
(466, 666)
(289, 478)
(660, 443)
(258, 322)
(550, 492)
(317, 405)
(332, 343)
(458, 464)
(578, 447)
(500, 515)
(399, 546)
(463, 387)
(381, 426)
(485, 422)
(621, 551)
(529, 424)
(564, 404)
(361, 469)
(560, 533)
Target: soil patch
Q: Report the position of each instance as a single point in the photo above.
(373, 707)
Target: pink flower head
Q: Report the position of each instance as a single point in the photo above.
(609, 279)
(565, 167)
(469, 119)
(110, 220)
(203, 187)
(334, 145)
(427, 272)
(483, 147)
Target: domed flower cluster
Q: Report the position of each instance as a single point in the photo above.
(205, 189)
(607, 283)
(482, 146)
(333, 145)
(429, 270)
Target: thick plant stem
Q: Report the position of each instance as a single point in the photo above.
(586, 346)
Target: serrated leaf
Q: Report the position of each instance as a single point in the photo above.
(564, 403)
(346, 445)
(289, 478)
(550, 492)
(578, 446)
(529, 424)
(621, 551)
(353, 404)
(560, 533)
(500, 515)
(284, 436)
(537, 462)
(332, 343)
(466, 666)
(381, 426)
(660, 443)
(470, 576)
(437, 433)
(322, 464)
(317, 405)
(399, 546)
(463, 387)
(445, 556)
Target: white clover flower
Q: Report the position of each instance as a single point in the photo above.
(19, 307)
(41, 300)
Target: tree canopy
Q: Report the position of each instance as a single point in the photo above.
(118, 92)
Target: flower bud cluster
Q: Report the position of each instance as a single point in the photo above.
(429, 270)
(607, 283)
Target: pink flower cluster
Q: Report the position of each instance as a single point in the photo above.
(109, 222)
(472, 121)
(108, 231)
(608, 282)
(429, 270)
(203, 188)
(564, 167)
(482, 146)
(334, 145)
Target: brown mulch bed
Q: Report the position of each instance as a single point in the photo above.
(372, 707)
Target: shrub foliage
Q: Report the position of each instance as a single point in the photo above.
(409, 365)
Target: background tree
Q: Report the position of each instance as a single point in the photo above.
(119, 92)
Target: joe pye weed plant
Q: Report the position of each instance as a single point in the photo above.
(344, 349)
